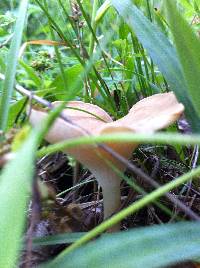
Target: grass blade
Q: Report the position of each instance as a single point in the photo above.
(15, 190)
(156, 138)
(188, 49)
(142, 247)
(12, 65)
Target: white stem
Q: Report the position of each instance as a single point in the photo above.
(111, 200)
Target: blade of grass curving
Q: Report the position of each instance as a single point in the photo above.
(188, 49)
(93, 25)
(32, 74)
(15, 191)
(156, 138)
(162, 53)
(8, 84)
(151, 247)
(102, 10)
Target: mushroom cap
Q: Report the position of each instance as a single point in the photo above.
(148, 115)
(85, 118)
(85, 115)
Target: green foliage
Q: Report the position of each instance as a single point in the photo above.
(72, 76)
(151, 247)
(188, 49)
(35, 79)
(15, 110)
(6, 21)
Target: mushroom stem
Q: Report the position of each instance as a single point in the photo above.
(111, 204)
(111, 195)
(111, 200)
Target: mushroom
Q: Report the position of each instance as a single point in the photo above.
(146, 116)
